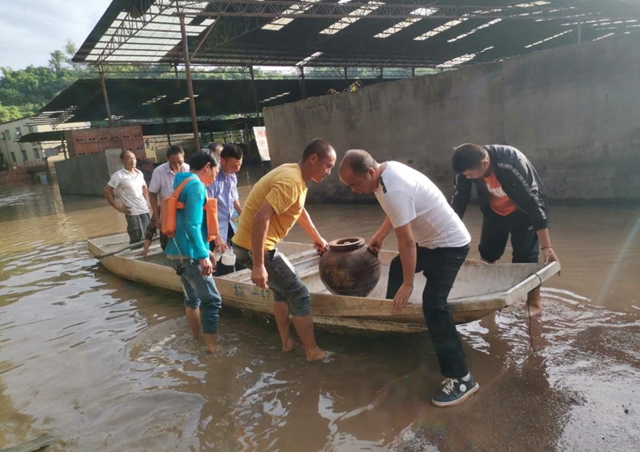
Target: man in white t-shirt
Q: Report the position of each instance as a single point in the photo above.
(161, 187)
(130, 189)
(431, 239)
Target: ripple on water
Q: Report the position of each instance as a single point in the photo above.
(94, 359)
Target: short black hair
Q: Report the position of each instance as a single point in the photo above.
(213, 146)
(174, 149)
(231, 151)
(467, 157)
(124, 152)
(320, 147)
(200, 160)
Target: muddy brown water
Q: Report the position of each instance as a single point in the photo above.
(104, 364)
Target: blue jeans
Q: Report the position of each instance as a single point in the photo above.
(283, 280)
(200, 291)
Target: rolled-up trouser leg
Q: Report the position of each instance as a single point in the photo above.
(201, 291)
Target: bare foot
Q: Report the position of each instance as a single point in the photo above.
(315, 354)
(289, 345)
(211, 342)
(535, 309)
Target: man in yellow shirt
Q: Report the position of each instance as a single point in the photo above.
(273, 206)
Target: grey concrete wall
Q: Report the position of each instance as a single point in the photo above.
(574, 111)
(87, 174)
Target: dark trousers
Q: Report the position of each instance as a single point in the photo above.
(136, 226)
(440, 266)
(222, 269)
(495, 233)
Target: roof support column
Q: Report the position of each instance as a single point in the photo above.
(106, 97)
(192, 101)
(303, 85)
(255, 95)
(64, 149)
(579, 32)
(345, 73)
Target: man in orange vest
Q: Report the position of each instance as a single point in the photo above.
(188, 250)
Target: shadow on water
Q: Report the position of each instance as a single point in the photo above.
(106, 364)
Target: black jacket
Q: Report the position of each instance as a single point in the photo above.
(519, 180)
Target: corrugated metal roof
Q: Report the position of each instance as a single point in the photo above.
(391, 33)
(139, 99)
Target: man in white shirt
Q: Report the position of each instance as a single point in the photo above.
(431, 239)
(161, 187)
(130, 189)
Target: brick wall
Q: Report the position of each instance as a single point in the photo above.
(91, 141)
(18, 176)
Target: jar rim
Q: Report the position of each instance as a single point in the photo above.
(347, 244)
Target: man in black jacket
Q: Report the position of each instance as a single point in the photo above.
(513, 201)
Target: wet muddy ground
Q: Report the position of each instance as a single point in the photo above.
(104, 364)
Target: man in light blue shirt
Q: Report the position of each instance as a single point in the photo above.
(225, 189)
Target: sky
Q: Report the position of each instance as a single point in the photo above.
(31, 29)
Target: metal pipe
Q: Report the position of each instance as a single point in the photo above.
(579, 32)
(187, 66)
(64, 150)
(255, 96)
(303, 84)
(106, 97)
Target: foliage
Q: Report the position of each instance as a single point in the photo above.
(23, 92)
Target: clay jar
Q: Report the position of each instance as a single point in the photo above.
(349, 268)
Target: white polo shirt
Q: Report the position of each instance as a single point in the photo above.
(408, 196)
(162, 180)
(128, 187)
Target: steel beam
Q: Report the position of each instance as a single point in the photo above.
(192, 101)
(403, 10)
(249, 15)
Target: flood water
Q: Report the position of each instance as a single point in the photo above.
(104, 364)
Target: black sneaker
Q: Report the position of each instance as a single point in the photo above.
(455, 391)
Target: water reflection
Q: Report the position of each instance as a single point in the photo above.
(106, 364)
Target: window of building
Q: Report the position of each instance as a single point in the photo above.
(36, 153)
(7, 135)
(18, 133)
(24, 155)
(13, 157)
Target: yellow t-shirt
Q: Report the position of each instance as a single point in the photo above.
(284, 188)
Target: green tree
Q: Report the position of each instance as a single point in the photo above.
(57, 60)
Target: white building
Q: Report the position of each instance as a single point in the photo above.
(14, 154)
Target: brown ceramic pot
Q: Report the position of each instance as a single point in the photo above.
(349, 268)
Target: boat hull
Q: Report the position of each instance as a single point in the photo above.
(480, 289)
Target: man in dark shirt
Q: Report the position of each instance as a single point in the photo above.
(513, 202)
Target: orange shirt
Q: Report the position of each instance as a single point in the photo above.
(499, 202)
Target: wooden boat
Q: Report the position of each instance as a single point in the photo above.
(479, 290)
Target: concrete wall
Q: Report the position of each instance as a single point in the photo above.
(87, 174)
(574, 111)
